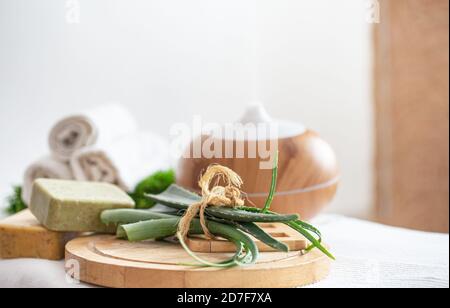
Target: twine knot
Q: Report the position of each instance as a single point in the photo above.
(226, 196)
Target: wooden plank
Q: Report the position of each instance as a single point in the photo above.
(412, 114)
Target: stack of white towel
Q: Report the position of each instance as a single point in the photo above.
(100, 145)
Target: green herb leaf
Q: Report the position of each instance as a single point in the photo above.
(154, 184)
(15, 202)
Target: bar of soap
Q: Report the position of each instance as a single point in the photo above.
(21, 236)
(73, 206)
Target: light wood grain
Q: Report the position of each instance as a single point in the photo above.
(412, 114)
(307, 177)
(281, 232)
(109, 262)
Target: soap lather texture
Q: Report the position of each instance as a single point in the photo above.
(71, 206)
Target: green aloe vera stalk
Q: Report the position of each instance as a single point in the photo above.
(165, 227)
(263, 236)
(273, 185)
(127, 216)
(303, 228)
(179, 198)
(311, 238)
(149, 229)
(175, 197)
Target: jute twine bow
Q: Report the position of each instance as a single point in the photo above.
(227, 196)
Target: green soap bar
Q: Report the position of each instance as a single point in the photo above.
(71, 206)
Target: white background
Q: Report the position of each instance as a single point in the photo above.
(167, 60)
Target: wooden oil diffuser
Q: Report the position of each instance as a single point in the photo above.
(308, 172)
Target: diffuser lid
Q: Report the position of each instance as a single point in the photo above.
(257, 124)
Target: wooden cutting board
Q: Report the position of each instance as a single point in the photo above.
(106, 261)
(279, 231)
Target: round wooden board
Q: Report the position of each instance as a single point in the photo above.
(108, 262)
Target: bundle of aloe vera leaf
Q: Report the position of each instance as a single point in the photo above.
(235, 224)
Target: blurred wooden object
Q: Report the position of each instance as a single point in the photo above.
(308, 172)
(412, 114)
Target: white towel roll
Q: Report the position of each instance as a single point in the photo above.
(48, 168)
(123, 162)
(100, 125)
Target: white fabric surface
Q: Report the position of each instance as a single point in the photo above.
(374, 255)
(368, 255)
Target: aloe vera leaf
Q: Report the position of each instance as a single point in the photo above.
(234, 261)
(231, 262)
(310, 238)
(243, 216)
(150, 229)
(251, 209)
(127, 216)
(300, 223)
(309, 227)
(273, 185)
(166, 227)
(261, 235)
(252, 229)
(233, 235)
(303, 228)
(179, 198)
(175, 197)
(120, 233)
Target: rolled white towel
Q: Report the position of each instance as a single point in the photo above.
(123, 162)
(99, 125)
(48, 168)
